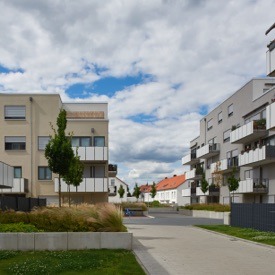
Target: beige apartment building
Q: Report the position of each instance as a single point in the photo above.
(24, 132)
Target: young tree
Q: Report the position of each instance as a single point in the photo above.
(136, 192)
(153, 190)
(121, 191)
(204, 184)
(59, 152)
(233, 183)
(75, 174)
(128, 192)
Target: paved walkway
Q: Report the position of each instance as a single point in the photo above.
(164, 249)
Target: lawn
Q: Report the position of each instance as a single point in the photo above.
(243, 233)
(69, 262)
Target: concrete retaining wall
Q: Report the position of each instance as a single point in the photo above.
(162, 209)
(207, 214)
(66, 241)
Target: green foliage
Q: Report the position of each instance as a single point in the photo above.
(69, 262)
(153, 190)
(121, 191)
(58, 151)
(125, 205)
(158, 204)
(83, 218)
(209, 207)
(137, 191)
(244, 233)
(204, 184)
(18, 227)
(233, 182)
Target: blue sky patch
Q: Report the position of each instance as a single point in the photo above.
(5, 70)
(143, 118)
(203, 110)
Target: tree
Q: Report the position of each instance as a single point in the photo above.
(75, 173)
(233, 183)
(58, 151)
(204, 184)
(136, 192)
(121, 191)
(153, 190)
(128, 192)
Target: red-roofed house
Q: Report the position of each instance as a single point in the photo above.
(146, 192)
(169, 190)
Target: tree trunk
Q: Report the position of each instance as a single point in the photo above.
(59, 190)
(69, 195)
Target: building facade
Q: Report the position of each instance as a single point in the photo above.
(114, 185)
(25, 125)
(237, 137)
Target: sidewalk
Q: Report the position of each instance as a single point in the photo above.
(189, 250)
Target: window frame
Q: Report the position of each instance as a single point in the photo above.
(227, 138)
(14, 145)
(219, 119)
(229, 111)
(210, 122)
(14, 173)
(14, 117)
(80, 138)
(45, 169)
(38, 143)
(94, 139)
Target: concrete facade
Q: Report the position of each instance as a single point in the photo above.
(25, 125)
(238, 136)
(114, 184)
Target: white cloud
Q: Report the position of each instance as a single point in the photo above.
(197, 52)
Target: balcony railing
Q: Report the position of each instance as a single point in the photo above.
(92, 153)
(193, 191)
(20, 186)
(195, 173)
(214, 190)
(208, 150)
(190, 159)
(87, 185)
(224, 165)
(255, 185)
(253, 130)
(263, 155)
(200, 193)
(270, 116)
(112, 170)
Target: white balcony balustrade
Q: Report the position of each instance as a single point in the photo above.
(208, 150)
(195, 173)
(270, 116)
(20, 186)
(258, 156)
(190, 159)
(92, 153)
(252, 186)
(251, 131)
(200, 193)
(6, 175)
(87, 185)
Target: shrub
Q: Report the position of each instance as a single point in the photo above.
(10, 216)
(125, 205)
(209, 207)
(18, 227)
(158, 204)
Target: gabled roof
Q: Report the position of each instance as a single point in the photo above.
(171, 183)
(145, 188)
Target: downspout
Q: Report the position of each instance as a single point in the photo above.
(31, 147)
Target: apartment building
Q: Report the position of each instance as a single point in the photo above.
(25, 129)
(237, 136)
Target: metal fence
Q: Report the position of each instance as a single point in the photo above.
(20, 203)
(260, 216)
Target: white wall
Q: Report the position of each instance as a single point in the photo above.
(116, 198)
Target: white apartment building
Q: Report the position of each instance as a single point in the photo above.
(114, 185)
(25, 129)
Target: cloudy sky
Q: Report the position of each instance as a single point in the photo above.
(161, 65)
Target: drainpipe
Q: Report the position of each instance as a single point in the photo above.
(31, 147)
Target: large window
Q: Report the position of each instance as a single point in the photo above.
(44, 173)
(15, 112)
(42, 142)
(17, 172)
(210, 124)
(226, 135)
(15, 143)
(220, 117)
(230, 110)
(99, 141)
(81, 141)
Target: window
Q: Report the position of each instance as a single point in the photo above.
(226, 135)
(42, 142)
(112, 182)
(15, 143)
(248, 174)
(230, 110)
(220, 117)
(99, 141)
(44, 173)
(15, 112)
(17, 172)
(81, 141)
(212, 140)
(210, 124)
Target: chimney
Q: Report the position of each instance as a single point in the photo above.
(175, 175)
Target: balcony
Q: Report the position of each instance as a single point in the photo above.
(194, 174)
(186, 192)
(92, 153)
(258, 156)
(6, 175)
(214, 190)
(224, 166)
(200, 193)
(208, 151)
(87, 185)
(258, 186)
(193, 191)
(190, 159)
(270, 116)
(253, 130)
(112, 170)
(20, 186)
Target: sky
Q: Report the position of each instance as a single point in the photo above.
(161, 66)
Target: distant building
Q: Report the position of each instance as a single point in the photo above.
(114, 185)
